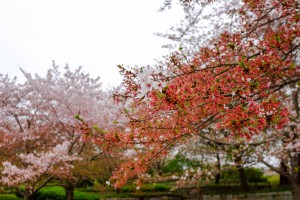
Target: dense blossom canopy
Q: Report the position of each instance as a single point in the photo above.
(231, 84)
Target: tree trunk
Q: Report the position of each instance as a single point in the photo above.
(69, 192)
(218, 176)
(243, 179)
(296, 177)
(26, 195)
(217, 179)
(284, 179)
(242, 174)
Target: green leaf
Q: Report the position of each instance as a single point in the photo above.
(78, 117)
(242, 64)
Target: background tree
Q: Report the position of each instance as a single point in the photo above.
(31, 155)
(203, 22)
(51, 144)
(287, 148)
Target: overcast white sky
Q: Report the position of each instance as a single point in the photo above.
(95, 34)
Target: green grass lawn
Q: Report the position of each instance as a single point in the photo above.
(56, 193)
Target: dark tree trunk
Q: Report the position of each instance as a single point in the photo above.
(25, 195)
(242, 174)
(28, 196)
(243, 179)
(284, 179)
(69, 192)
(218, 176)
(296, 177)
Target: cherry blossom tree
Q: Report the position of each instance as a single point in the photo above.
(232, 84)
(23, 140)
(203, 22)
(44, 115)
(286, 149)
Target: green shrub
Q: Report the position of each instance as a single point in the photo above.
(9, 197)
(254, 175)
(58, 193)
(128, 188)
(147, 188)
(230, 175)
(86, 196)
(177, 164)
(162, 188)
(274, 179)
(52, 192)
(115, 195)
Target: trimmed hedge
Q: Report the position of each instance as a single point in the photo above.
(58, 193)
(9, 197)
(156, 187)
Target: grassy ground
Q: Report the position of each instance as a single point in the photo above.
(56, 193)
